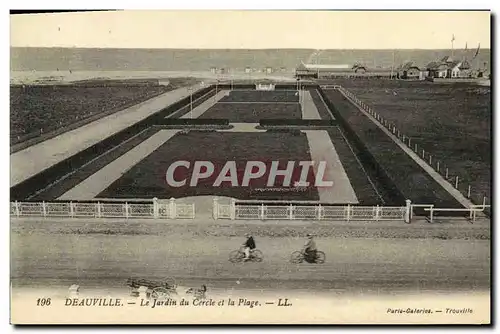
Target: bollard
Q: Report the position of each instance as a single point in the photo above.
(156, 209)
(456, 182)
(16, 204)
(468, 192)
(446, 172)
(430, 160)
(438, 166)
(423, 154)
(215, 208)
(233, 209)
(408, 211)
(73, 291)
(172, 207)
(377, 212)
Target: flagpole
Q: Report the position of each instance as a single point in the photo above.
(452, 50)
(393, 60)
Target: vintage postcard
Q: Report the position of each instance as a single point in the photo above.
(250, 167)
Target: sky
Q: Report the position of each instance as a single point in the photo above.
(254, 29)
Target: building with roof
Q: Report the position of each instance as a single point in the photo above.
(322, 70)
(410, 70)
(449, 68)
(339, 70)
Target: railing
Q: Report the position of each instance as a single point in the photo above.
(155, 209)
(432, 161)
(249, 210)
(241, 210)
(472, 211)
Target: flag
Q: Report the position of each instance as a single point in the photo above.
(477, 51)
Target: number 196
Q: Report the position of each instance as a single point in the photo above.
(43, 302)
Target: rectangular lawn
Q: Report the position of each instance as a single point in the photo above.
(450, 121)
(147, 179)
(253, 112)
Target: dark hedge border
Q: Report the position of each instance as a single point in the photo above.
(28, 187)
(53, 193)
(402, 175)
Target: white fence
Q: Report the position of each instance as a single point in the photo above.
(432, 161)
(155, 209)
(240, 210)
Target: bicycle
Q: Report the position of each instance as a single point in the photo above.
(299, 257)
(239, 256)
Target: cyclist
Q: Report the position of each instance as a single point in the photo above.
(248, 246)
(310, 249)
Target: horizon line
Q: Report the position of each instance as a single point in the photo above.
(189, 48)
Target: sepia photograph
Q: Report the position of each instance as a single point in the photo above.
(251, 167)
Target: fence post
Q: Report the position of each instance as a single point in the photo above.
(262, 211)
(44, 209)
(348, 212)
(408, 212)
(319, 211)
(193, 206)
(156, 211)
(446, 172)
(290, 214)
(233, 209)
(409, 142)
(173, 213)
(432, 213)
(456, 182)
(416, 148)
(484, 201)
(468, 192)
(438, 166)
(423, 154)
(215, 208)
(430, 160)
(98, 206)
(404, 139)
(377, 212)
(16, 204)
(126, 210)
(71, 210)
